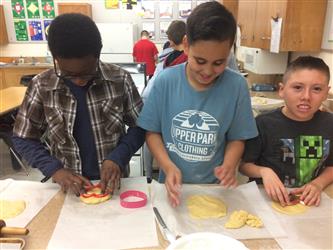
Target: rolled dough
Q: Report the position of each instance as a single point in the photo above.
(11, 208)
(290, 210)
(205, 207)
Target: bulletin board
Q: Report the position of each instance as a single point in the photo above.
(327, 42)
(156, 15)
(28, 20)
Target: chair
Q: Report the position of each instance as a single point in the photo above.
(6, 131)
(26, 79)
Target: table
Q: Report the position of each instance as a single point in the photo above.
(42, 226)
(11, 98)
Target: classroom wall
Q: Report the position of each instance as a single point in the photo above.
(38, 49)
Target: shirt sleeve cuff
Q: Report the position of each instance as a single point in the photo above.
(51, 167)
(119, 156)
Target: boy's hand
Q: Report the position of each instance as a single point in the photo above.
(226, 175)
(274, 187)
(70, 181)
(310, 193)
(173, 182)
(110, 176)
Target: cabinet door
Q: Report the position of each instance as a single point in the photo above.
(1, 79)
(246, 17)
(304, 25)
(83, 8)
(3, 28)
(261, 37)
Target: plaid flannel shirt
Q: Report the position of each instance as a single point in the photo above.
(49, 107)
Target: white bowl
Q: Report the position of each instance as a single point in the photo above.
(206, 241)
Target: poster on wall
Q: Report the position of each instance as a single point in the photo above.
(46, 27)
(150, 27)
(330, 33)
(18, 9)
(33, 9)
(184, 8)
(35, 30)
(163, 29)
(111, 4)
(166, 9)
(48, 8)
(21, 30)
(148, 9)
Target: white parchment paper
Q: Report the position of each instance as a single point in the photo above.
(35, 194)
(246, 197)
(107, 225)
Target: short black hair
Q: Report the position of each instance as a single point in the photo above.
(74, 35)
(176, 31)
(210, 21)
(144, 33)
(306, 62)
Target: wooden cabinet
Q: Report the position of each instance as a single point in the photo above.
(83, 8)
(1, 79)
(3, 28)
(11, 76)
(302, 23)
(231, 5)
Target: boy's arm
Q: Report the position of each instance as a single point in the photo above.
(173, 178)
(325, 178)
(226, 173)
(310, 192)
(272, 183)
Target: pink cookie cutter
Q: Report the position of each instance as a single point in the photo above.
(133, 204)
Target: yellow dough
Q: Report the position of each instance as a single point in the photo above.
(240, 218)
(254, 221)
(93, 199)
(205, 207)
(11, 208)
(290, 210)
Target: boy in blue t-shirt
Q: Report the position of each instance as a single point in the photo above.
(294, 146)
(198, 113)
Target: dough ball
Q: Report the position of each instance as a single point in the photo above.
(11, 208)
(254, 221)
(205, 207)
(290, 210)
(237, 219)
(240, 218)
(94, 196)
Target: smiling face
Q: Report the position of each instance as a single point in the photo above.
(303, 93)
(206, 61)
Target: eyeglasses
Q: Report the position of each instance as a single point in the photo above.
(85, 77)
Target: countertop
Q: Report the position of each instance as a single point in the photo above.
(26, 65)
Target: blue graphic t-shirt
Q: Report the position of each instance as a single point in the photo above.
(196, 125)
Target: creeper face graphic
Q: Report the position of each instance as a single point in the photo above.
(309, 151)
(311, 147)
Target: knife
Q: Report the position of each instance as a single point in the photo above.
(167, 233)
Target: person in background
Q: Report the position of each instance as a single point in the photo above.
(198, 113)
(165, 52)
(145, 51)
(299, 154)
(176, 32)
(83, 105)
